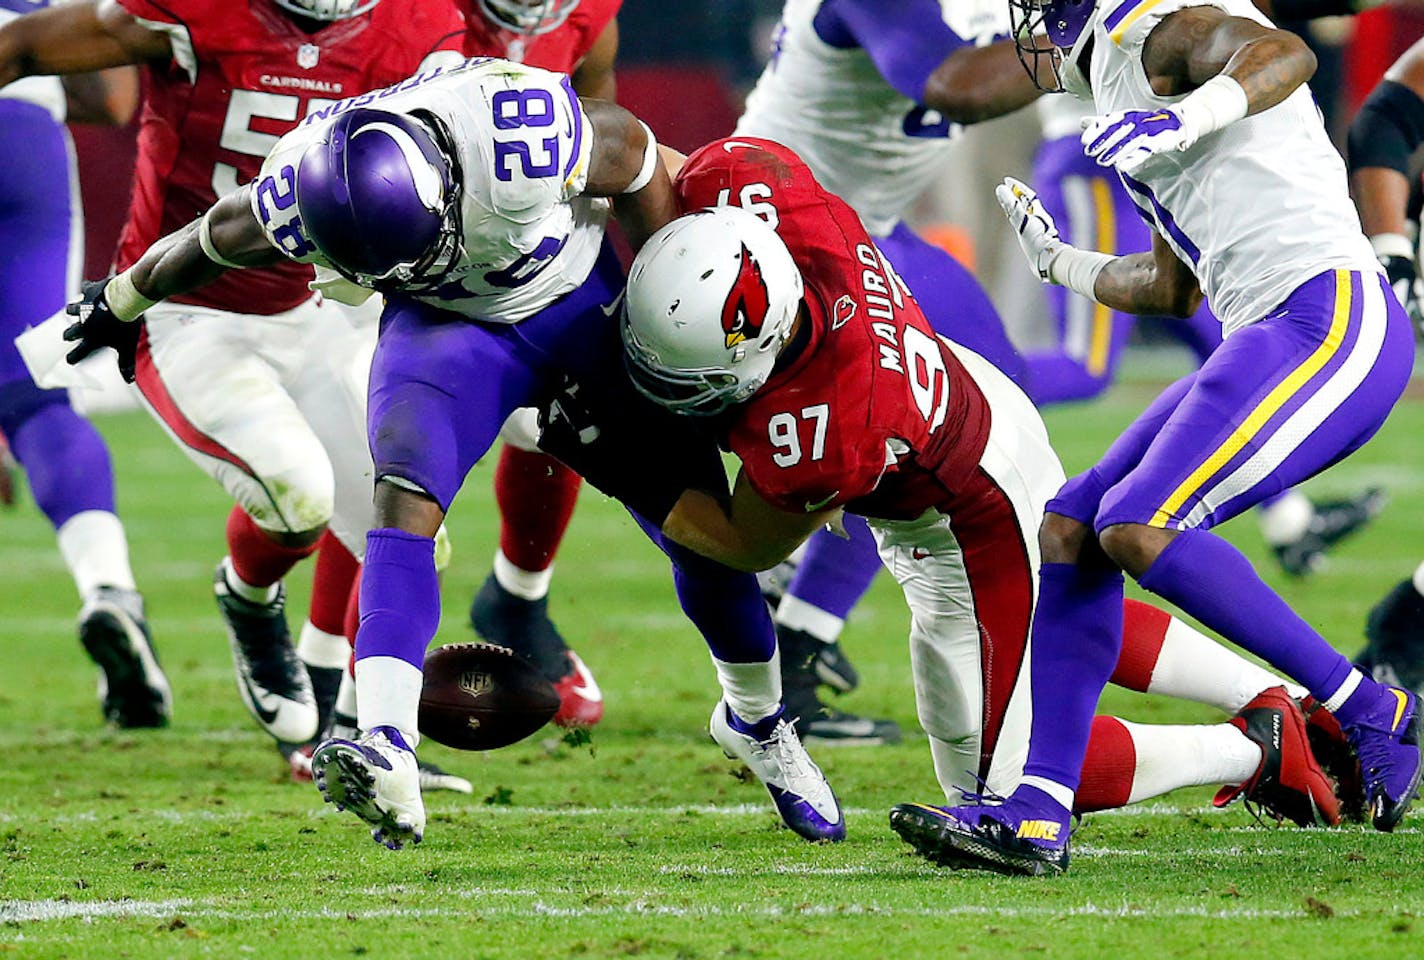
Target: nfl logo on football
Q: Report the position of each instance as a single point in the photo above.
(475, 682)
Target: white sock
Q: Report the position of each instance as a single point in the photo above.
(752, 690)
(1170, 756)
(317, 648)
(388, 695)
(1192, 666)
(346, 696)
(1056, 790)
(244, 589)
(96, 551)
(797, 614)
(1287, 519)
(529, 584)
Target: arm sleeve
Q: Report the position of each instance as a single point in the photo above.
(1388, 128)
(906, 39)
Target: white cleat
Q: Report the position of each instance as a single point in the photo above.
(376, 778)
(803, 798)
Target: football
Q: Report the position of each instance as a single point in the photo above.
(477, 696)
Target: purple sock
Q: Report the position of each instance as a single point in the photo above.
(834, 574)
(66, 463)
(1077, 635)
(400, 597)
(759, 730)
(725, 605)
(1210, 579)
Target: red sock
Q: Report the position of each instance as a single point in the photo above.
(1108, 769)
(335, 570)
(536, 496)
(352, 619)
(257, 559)
(1144, 627)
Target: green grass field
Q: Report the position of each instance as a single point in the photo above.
(192, 841)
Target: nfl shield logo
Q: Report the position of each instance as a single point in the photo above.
(307, 55)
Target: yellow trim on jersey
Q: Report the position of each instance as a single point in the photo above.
(1268, 407)
(1121, 29)
(1100, 341)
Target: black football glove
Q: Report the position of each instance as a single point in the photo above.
(1404, 278)
(98, 327)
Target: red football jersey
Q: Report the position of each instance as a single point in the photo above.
(875, 413)
(559, 50)
(242, 74)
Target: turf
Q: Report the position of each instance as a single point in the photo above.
(644, 842)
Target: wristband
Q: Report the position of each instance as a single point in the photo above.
(1215, 104)
(1078, 269)
(1392, 245)
(205, 240)
(650, 162)
(124, 300)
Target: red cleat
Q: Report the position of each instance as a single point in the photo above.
(1289, 784)
(580, 700)
(1337, 758)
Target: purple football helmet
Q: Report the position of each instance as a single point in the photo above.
(379, 195)
(1067, 24)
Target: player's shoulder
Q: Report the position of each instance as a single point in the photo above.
(201, 18)
(1128, 23)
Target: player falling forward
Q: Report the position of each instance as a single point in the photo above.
(802, 345)
(1204, 113)
(65, 460)
(475, 200)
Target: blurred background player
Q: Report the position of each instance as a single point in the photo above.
(258, 380)
(535, 492)
(1384, 136)
(65, 460)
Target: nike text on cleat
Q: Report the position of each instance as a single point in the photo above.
(376, 778)
(1387, 741)
(1288, 783)
(523, 626)
(799, 790)
(984, 838)
(1334, 520)
(271, 679)
(133, 690)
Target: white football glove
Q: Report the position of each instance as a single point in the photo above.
(1038, 236)
(1127, 139)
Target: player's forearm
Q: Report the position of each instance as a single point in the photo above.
(1382, 197)
(975, 84)
(706, 525)
(1136, 284)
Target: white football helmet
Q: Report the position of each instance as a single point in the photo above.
(711, 300)
(529, 17)
(326, 9)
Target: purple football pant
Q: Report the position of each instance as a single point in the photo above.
(1093, 211)
(441, 388)
(834, 573)
(65, 459)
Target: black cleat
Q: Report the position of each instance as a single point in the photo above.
(133, 690)
(943, 836)
(826, 660)
(1394, 631)
(270, 677)
(1334, 520)
(818, 723)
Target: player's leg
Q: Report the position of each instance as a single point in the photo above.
(1341, 349)
(1093, 211)
(67, 463)
(206, 376)
(536, 496)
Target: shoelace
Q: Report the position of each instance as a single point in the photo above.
(790, 756)
(984, 797)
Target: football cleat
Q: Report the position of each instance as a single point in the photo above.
(1288, 783)
(1025, 835)
(801, 652)
(775, 582)
(376, 778)
(1334, 520)
(1394, 651)
(502, 618)
(271, 679)
(772, 751)
(434, 778)
(133, 690)
(325, 681)
(1336, 756)
(818, 723)
(1387, 742)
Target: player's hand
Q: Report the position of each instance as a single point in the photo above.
(1038, 236)
(97, 327)
(1127, 139)
(1404, 278)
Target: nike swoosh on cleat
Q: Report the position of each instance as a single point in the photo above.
(1399, 708)
(587, 687)
(264, 713)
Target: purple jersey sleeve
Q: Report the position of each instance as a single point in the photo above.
(906, 39)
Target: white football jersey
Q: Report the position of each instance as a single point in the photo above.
(875, 148)
(524, 146)
(1256, 208)
(46, 92)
